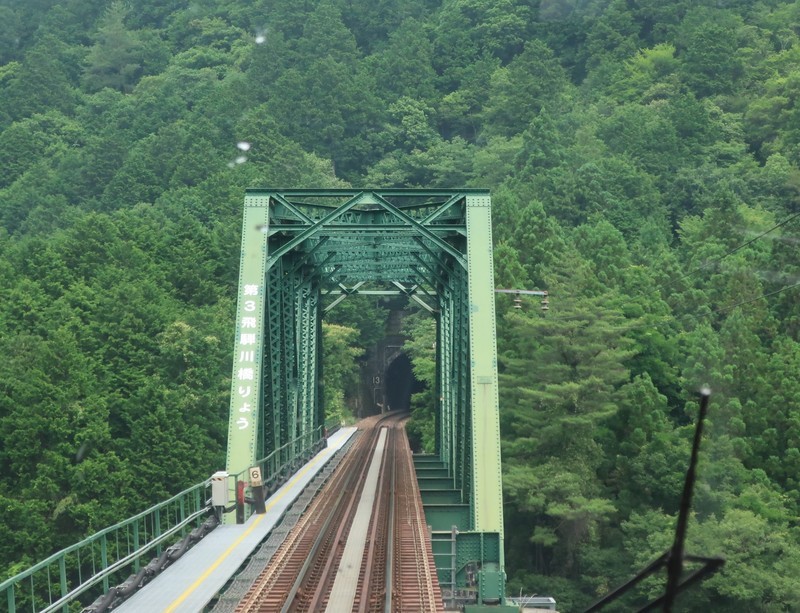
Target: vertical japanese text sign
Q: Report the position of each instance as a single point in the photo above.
(248, 342)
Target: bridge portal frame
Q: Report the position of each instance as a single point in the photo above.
(434, 246)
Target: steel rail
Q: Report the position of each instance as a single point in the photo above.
(415, 582)
(396, 570)
(374, 559)
(322, 582)
(388, 580)
(271, 589)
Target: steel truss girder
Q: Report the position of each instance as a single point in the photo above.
(298, 245)
(369, 223)
(454, 368)
(290, 361)
(404, 229)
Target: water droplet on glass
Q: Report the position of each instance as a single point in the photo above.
(81, 452)
(243, 145)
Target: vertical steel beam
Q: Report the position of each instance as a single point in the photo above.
(275, 402)
(289, 361)
(246, 399)
(306, 356)
(273, 388)
(485, 420)
(445, 439)
(463, 404)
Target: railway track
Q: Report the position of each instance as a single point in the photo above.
(368, 518)
(416, 585)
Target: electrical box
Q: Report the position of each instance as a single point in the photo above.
(219, 488)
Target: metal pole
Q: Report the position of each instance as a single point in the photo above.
(675, 560)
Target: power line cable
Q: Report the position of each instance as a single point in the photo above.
(738, 304)
(719, 259)
(635, 324)
(734, 250)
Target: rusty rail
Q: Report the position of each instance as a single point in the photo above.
(396, 571)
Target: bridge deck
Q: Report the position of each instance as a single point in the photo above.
(344, 589)
(193, 581)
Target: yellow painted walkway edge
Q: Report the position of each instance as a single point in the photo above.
(238, 541)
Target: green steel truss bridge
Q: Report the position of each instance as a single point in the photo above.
(434, 246)
(303, 251)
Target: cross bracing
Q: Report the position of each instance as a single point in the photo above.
(303, 252)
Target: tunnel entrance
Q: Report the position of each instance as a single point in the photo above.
(401, 383)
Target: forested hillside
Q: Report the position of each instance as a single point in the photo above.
(643, 159)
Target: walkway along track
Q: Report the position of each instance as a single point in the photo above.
(391, 549)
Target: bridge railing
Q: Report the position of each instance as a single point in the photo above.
(88, 568)
(276, 468)
(332, 424)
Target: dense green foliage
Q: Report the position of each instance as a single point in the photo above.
(633, 150)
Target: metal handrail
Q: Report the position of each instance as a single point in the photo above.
(273, 464)
(123, 562)
(133, 538)
(156, 529)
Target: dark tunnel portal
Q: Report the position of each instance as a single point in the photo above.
(401, 384)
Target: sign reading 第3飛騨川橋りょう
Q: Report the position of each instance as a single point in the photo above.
(247, 340)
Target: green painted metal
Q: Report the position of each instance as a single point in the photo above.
(438, 484)
(303, 251)
(82, 572)
(298, 245)
(469, 558)
(441, 496)
(488, 505)
(246, 383)
(443, 516)
(491, 584)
